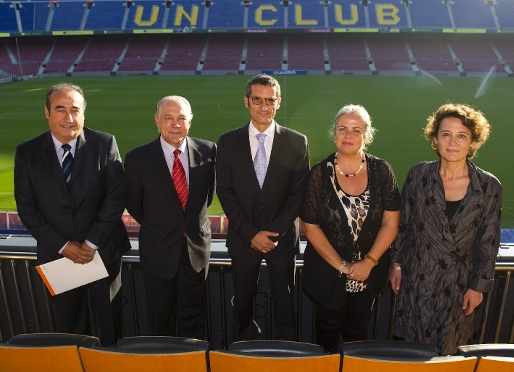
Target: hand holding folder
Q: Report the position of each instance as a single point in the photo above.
(63, 275)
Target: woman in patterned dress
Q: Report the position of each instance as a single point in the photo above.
(443, 257)
(350, 215)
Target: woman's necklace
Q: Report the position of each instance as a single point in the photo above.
(349, 175)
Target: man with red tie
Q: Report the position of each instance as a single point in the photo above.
(170, 183)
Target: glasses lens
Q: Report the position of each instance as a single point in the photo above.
(270, 101)
(256, 100)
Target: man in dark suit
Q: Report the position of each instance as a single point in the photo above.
(170, 183)
(70, 195)
(262, 169)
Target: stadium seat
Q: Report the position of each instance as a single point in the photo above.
(275, 348)
(230, 362)
(97, 360)
(40, 359)
(436, 364)
(502, 350)
(388, 349)
(54, 339)
(495, 364)
(160, 344)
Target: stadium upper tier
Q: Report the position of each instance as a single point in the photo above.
(254, 15)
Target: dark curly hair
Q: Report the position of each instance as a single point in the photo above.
(472, 119)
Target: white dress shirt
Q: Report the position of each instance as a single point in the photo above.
(268, 141)
(170, 157)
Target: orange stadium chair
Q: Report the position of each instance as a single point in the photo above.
(40, 359)
(97, 360)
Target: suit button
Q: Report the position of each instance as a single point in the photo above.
(184, 214)
(75, 213)
(261, 204)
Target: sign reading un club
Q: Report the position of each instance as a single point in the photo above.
(266, 14)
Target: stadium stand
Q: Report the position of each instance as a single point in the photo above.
(30, 51)
(8, 18)
(224, 52)
(305, 52)
(65, 52)
(505, 12)
(102, 53)
(34, 16)
(389, 52)
(505, 47)
(232, 16)
(67, 16)
(183, 53)
(347, 52)
(431, 52)
(387, 14)
(186, 15)
(264, 52)
(143, 52)
(105, 15)
(473, 14)
(429, 14)
(475, 54)
(347, 14)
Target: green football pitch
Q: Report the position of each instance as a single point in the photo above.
(399, 106)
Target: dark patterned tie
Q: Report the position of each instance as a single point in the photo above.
(179, 180)
(67, 162)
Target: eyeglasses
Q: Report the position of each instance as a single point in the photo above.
(270, 101)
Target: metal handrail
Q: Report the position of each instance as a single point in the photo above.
(22, 296)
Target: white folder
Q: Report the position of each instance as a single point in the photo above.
(63, 275)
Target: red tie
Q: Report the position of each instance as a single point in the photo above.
(179, 180)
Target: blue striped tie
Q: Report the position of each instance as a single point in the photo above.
(67, 161)
(259, 163)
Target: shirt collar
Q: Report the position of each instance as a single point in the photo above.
(169, 149)
(269, 132)
(58, 144)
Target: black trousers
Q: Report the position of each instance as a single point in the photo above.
(245, 274)
(350, 323)
(179, 300)
(73, 311)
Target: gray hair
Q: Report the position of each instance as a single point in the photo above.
(361, 111)
(177, 99)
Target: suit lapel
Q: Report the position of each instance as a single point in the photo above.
(276, 153)
(161, 170)
(195, 160)
(81, 153)
(159, 161)
(246, 155)
(50, 158)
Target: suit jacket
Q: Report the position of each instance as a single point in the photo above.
(89, 207)
(274, 208)
(154, 203)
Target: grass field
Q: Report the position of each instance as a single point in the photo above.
(399, 106)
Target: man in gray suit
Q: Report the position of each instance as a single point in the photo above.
(170, 184)
(262, 168)
(70, 195)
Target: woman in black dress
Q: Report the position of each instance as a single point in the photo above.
(444, 255)
(350, 215)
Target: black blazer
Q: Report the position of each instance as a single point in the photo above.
(274, 208)
(90, 207)
(154, 203)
